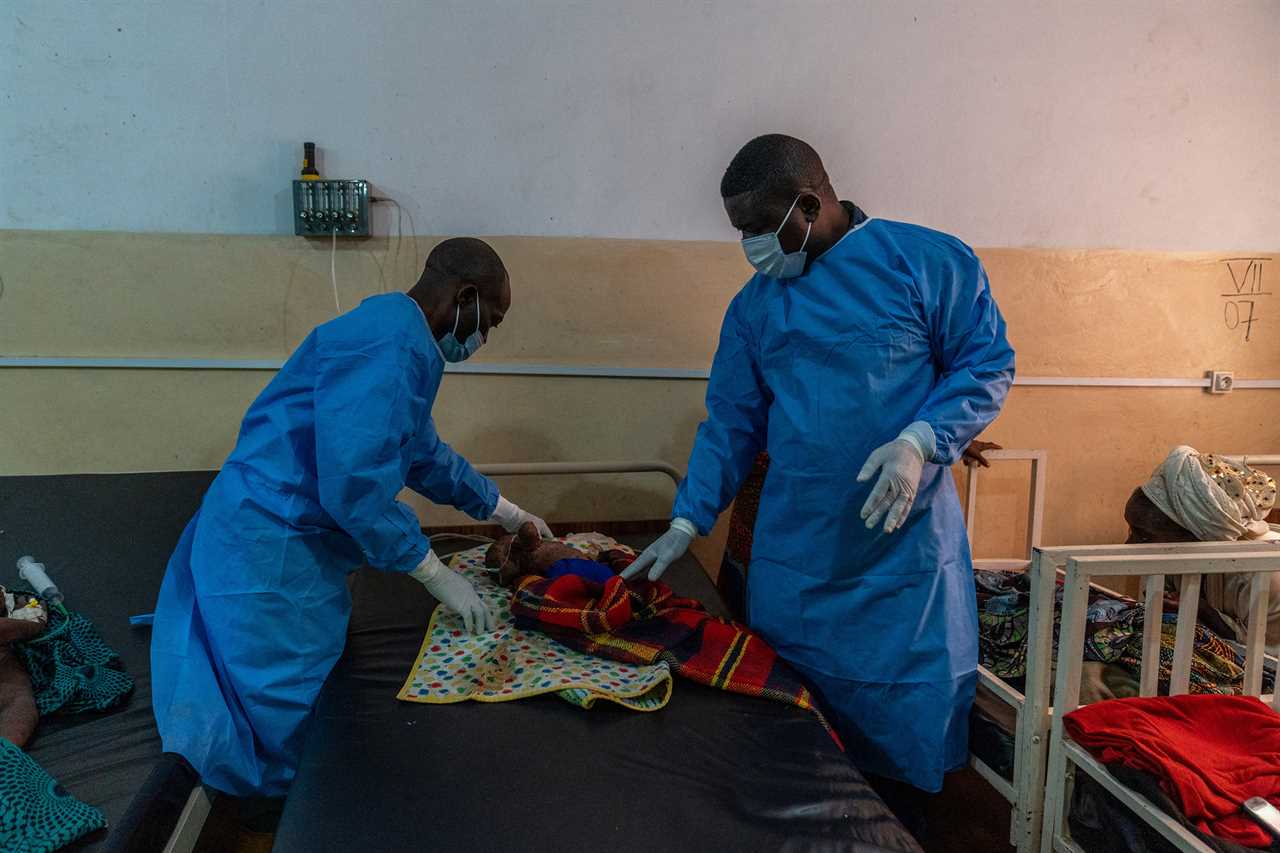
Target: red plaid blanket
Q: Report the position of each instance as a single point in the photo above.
(645, 622)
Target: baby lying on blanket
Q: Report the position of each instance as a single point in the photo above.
(526, 553)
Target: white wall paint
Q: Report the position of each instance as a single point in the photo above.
(1141, 124)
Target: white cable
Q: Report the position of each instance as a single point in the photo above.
(333, 270)
(401, 213)
(413, 238)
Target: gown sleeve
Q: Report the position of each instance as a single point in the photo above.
(441, 474)
(362, 417)
(733, 433)
(967, 335)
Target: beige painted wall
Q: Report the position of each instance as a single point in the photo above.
(605, 302)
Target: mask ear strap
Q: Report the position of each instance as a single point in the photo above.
(807, 229)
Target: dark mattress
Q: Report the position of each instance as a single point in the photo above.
(105, 540)
(712, 771)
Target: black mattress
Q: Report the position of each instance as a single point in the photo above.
(105, 540)
(712, 771)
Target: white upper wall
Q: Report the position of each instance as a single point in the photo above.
(1140, 124)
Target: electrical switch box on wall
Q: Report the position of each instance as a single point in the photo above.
(323, 207)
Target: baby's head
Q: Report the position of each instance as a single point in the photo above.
(526, 553)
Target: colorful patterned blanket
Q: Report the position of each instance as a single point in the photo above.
(512, 662)
(646, 623)
(1113, 635)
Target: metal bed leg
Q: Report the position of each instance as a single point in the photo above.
(190, 822)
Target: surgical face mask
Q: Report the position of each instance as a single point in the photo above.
(764, 252)
(454, 350)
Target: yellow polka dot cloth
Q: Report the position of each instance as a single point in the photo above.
(508, 664)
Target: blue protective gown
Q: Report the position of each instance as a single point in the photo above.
(253, 610)
(893, 324)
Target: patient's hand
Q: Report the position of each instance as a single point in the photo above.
(1092, 687)
(973, 453)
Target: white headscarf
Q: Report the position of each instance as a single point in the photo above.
(1184, 489)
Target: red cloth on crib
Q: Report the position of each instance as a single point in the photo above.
(1209, 753)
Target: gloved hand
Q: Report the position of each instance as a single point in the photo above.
(455, 591)
(900, 463)
(665, 550)
(510, 517)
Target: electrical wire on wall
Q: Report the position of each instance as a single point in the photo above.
(333, 270)
(401, 212)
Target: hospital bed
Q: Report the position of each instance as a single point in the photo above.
(710, 771)
(1031, 707)
(1067, 759)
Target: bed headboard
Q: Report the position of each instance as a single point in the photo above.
(1035, 503)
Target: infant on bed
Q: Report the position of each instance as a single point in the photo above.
(526, 553)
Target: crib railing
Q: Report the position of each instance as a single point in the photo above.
(1190, 562)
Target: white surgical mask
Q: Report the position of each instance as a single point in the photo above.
(764, 252)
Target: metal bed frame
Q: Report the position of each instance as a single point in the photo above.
(1066, 758)
(1034, 714)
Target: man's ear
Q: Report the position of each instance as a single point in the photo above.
(467, 294)
(810, 206)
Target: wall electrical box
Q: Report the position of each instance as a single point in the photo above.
(323, 207)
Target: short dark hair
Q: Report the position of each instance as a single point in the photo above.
(773, 163)
(465, 258)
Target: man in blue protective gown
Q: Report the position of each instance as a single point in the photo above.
(864, 355)
(253, 610)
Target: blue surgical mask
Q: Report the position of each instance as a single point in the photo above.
(764, 252)
(454, 350)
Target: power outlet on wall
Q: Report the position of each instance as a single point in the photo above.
(1221, 381)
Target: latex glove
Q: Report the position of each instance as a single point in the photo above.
(455, 591)
(900, 463)
(665, 550)
(510, 517)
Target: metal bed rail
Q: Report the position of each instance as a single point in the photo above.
(531, 469)
(1259, 559)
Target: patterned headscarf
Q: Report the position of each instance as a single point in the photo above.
(1213, 498)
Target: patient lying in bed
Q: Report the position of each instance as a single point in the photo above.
(1194, 497)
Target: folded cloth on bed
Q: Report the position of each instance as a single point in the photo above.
(36, 814)
(646, 623)
(1209, 753)
(72, 670)
(513, 663)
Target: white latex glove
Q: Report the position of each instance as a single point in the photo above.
(510, 517)
(900, 463)
(454, 591)
(665, 550)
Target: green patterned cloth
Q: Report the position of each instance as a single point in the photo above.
(36, 814)
(72, 670)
